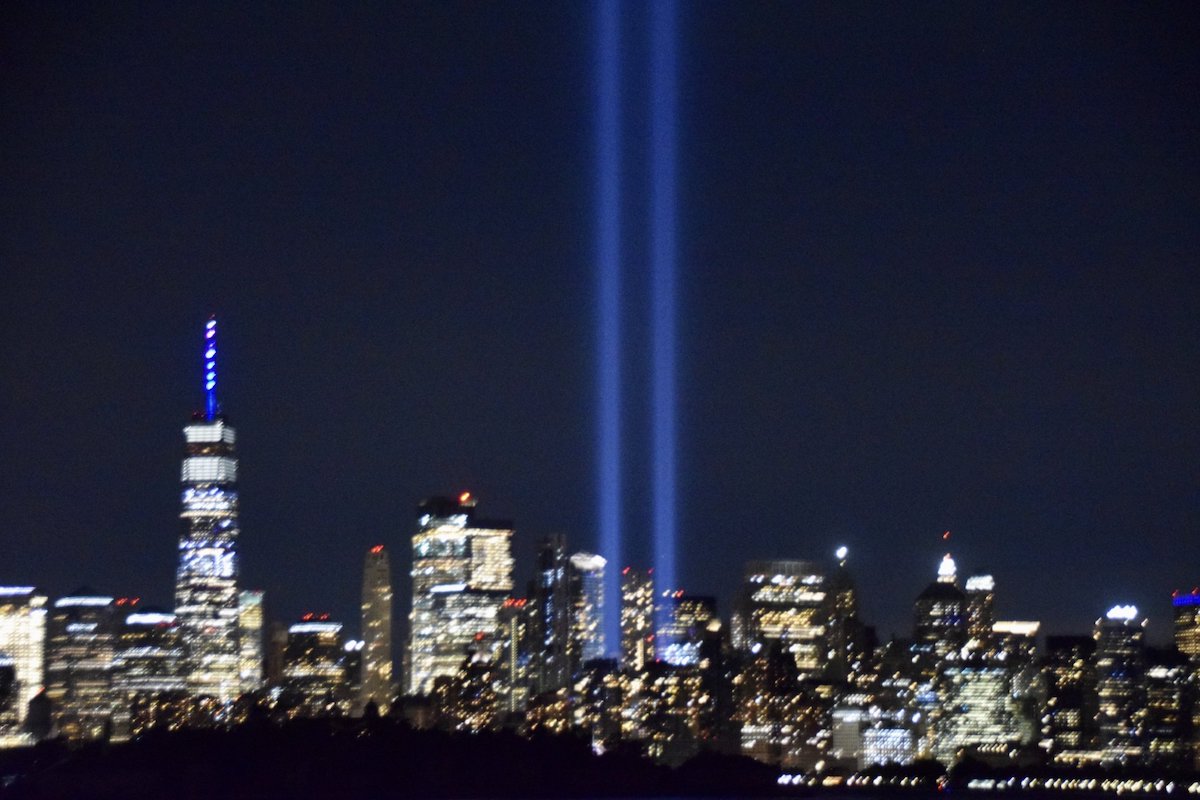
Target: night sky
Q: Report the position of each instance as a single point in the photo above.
(938, 269)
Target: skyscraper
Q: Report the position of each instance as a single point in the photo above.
(1069, 712)
(462, 573)
(1187, 623)
(80, 636)
(785, 602)
(148, 679)
(22, 639)
(250, 639)
(637, 618)
(206, 596)
(940, 620)
(550, 619)
(377, 684)
(1120, 669)
(314, 665)
(585, 588)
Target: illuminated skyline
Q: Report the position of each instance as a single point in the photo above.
(936, 272)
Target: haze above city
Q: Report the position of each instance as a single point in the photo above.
(937, 272)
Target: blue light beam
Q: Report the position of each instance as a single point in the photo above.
(210, 369)
(608, 317)
(664, 100)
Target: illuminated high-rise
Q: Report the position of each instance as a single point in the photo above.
(461, 575)
(250, 639)
(685, 620)
(80, 636)
(550, 618)
(585, 590)
(981, 615)
(785, 602)
(940, 620)
(206, 594)
(1187, 623)
(22, 641)
(314, 665)
(637, 618)
(1069, 711)
(148, 674)
(1120, 670)
(377, 684)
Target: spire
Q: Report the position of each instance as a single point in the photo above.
(210, 368)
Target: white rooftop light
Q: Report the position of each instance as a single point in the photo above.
(1123, 613)
(947, 570)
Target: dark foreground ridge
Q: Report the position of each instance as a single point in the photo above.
(376, 759)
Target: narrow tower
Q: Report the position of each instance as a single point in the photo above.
(377, 685)
(206, 595)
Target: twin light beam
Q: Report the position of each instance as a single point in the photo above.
(663, 99)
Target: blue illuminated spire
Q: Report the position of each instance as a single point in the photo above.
(210, 368)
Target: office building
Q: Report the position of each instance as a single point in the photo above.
(981, 615)
(785, 602)
(637, 618)
(250, 639)
(1120, 671)
(314, 666)
(22, 648)
(1069, 712)
(206, 594)
(80, 638)
(1168, 710)
(149, 683)
(1187, 623)
(378, 684)
(461, 575)
(940, 620)
(685, 621)
(585, 607)
(550, 616)
(977, 711)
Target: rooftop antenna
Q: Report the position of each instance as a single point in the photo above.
(210, 369)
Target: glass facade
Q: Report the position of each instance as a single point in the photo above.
(378, 685)
(22, 643)
(461, 574)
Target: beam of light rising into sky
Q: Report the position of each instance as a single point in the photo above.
(663, 99)
(608, 316)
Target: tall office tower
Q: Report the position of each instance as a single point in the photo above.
(1014, 644)
(206, 595)
(515, 677)
(22, 642)
(462, 574)
(1168, 709)
(1069, 711)
(585, 607)
(768, 702)
(977, 709)
(1187, 623)
(786, 602)
(80, 635)
(550, 616)
(378, 686)
(637, 618)
(314, 666)
(148, 674)
(981, 615)
(940, 621)
(250, 639)
(685, 623)
(1120, 669)
(847, 634)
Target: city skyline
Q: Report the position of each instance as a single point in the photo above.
(953, 294)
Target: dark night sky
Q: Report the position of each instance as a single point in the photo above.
(939, 269)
